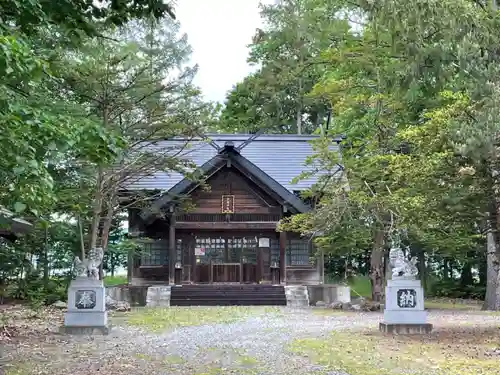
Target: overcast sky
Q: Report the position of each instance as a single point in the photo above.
(219, 32)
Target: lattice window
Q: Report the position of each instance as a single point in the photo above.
(243, 247)
(214, 249)
(155, 253)
(298, 252)
(275, 250)
(235, 249)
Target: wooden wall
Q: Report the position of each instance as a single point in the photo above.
(248, 197)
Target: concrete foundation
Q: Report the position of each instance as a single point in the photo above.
(79, 330)
(296, 296)
(405, 329)
(158, 296)
(329, 293)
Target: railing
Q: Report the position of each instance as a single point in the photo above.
(228, 217)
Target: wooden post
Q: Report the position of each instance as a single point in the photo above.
(192, 245)
(130, 265)
(282, 257)
(322, 265)
(172, 257)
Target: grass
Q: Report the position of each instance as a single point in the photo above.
(360, 287)
(115, 280)
(459, 351)
(163, 319)
(450, 305)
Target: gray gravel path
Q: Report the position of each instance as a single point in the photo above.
(257, 345)
(253, 346)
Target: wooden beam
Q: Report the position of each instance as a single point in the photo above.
(227, 225)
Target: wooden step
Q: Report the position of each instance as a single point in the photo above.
(235, 302)
(228, 295)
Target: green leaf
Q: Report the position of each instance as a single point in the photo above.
(19, 207)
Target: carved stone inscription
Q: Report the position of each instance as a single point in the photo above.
(407, 298)
(85, 299)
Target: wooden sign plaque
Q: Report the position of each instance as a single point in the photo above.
(228, 204)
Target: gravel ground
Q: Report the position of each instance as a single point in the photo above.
(253, 346)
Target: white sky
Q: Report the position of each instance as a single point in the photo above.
(219, 32)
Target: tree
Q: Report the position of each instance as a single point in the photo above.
(386, 83)
(136, 85)
(288, 49)
(35, 128)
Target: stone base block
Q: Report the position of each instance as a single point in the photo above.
(158, 296)
(405, 316)
(405, 329)
(86, 319)
(80, 330)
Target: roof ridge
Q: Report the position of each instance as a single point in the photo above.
(244, 137)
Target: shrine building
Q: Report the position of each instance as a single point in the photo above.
(227, 233)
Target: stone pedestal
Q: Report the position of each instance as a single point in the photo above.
(86, 307)
(404, 307)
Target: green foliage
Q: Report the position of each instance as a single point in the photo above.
(287, 49)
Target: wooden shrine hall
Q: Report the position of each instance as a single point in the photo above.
(228, 231)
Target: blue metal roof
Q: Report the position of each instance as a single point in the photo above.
(282, 157)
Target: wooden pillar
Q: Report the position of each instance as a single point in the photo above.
(172, 256)
(130, 265)
(134, 231)
(321, 265)
(192, 245)
(282, 257)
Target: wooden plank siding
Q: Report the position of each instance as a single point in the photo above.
(248, 197)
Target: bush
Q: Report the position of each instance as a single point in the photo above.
(452, 288)
(36, 293)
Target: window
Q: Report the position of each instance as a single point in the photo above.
(298, 252)
(155, 253)
(243, 247)
(275, 250)
(214, 249)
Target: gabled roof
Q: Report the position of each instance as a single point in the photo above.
(281, 157)
(219, 161)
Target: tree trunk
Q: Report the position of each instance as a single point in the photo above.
(490, 301)
(377, 266)
(46, 260)
(106, 227)
(299, 118)
(96, 209)
(492, 298)
(422, 268)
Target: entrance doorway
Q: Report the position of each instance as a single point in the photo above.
(226, 259)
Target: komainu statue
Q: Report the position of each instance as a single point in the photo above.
(401, 267)
(89, 267)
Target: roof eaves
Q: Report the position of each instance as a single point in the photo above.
(182, 186)
(287, 196)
